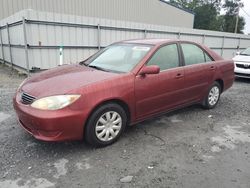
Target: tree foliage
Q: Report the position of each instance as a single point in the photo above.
(232, 8)
(207, 14)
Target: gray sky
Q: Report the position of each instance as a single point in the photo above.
(247, 17)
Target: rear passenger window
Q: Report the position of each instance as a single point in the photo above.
(166, 57)
(194, 55)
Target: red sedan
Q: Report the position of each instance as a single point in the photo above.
(123, 84)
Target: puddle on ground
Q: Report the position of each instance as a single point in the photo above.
(61, 169)
(34, 182)
(83, 166)
(172, 119)
(231, 136)
(3, 116)
(175, 119)
(215, 149)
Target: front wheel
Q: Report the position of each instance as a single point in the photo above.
(105, 125)
(213, 96)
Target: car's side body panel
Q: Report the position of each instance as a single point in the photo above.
(196, 81)
(225, 73)
(154, 93)
(120, 89)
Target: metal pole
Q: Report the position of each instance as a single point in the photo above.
(240, 5)
(1, 40)
(179, 35)
(236, 24)
(145, 33)
(10, 51)
(237, 20)
(239, 42)
(99, 36)
(26, 46)
(203, 39)
(61, 56)
(222, 46)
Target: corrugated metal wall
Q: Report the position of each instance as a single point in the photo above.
(145, 11)
(83, 36)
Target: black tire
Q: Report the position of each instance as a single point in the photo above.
(90, 130)
(207, 104)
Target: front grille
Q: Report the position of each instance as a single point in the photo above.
(243, 75)
(243, 66)
(27, 99)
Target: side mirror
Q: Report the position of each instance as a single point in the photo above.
(152, 69)
(237, 53)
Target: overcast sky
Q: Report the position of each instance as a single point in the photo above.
(246, 8)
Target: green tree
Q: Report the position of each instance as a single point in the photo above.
(187, 4)
(232, 10)
(206, 18)
(206, 12)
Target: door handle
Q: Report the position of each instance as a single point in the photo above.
(179, 75)
(212, 68)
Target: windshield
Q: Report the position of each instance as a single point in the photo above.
(118, 57)
(246, 52)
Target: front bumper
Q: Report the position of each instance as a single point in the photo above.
(243, 72)
(59, 125)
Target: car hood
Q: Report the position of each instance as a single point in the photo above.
(242, 58)
(63, 79)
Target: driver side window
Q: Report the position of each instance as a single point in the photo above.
(166, 57)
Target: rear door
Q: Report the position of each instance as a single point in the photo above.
(199, 70)
(158, 92)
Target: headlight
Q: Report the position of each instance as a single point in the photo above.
(54, 102)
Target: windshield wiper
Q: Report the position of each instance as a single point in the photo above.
(98, 68)
(245, 54)
(83, 63)
(103, 69)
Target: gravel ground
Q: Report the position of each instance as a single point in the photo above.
(191, 147)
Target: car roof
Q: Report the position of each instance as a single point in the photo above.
(152, 41)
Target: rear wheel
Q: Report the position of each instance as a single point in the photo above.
(105, 125)
(213, 96)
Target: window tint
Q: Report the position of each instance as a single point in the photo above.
(166, 57)
(194, 55)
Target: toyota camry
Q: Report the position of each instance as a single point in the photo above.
(121, 85)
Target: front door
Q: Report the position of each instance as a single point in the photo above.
(158, 92)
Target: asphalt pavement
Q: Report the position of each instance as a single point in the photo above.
(189, 148)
